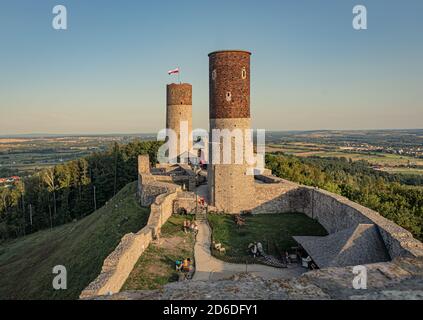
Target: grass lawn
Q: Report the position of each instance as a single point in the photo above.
(156, 266)
(26, 264)
(269, 229)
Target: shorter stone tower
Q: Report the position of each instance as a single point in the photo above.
(179, 115)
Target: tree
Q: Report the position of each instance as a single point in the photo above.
(50, 179)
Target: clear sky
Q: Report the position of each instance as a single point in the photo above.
(310, 69)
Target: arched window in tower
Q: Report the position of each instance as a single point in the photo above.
(228, 96)
(214, 74)
(244, 73)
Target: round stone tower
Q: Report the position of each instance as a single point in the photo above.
(231, 185)
(179, 115)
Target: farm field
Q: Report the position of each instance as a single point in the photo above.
(382, 159)
(407, 171)
(391, 163)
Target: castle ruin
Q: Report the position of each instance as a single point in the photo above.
(356, 235)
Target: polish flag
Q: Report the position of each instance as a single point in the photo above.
(173, 71)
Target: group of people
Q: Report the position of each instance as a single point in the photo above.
(302, 257)
(256, 249)
(201, 201)
(184, 265)
(190, 226)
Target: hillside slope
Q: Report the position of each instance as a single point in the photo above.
(26, 264)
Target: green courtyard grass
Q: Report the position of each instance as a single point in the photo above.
(26, 264)
(274, 231)
(156, 266)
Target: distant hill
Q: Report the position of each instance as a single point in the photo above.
(58, 135)
(26, 264)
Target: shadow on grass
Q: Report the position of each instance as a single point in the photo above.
(274, 231)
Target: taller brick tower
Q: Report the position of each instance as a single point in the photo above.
(179, 110)
(231, 186)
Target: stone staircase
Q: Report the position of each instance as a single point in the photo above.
(201, 215)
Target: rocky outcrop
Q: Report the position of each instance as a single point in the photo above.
(399, 279)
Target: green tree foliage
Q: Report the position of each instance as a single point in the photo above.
(357, 181)
(63, 193)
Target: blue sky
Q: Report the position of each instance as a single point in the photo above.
(310, 68)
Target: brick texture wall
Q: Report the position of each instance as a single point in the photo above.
(179, 94)
(229, 83)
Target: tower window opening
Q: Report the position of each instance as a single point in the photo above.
(228, 96)
(244, 73)
(214, 74)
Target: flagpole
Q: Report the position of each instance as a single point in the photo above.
(179, 75)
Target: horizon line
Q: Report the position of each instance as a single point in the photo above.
(41, 135)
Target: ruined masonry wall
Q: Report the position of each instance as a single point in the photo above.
(119, 264)
(334, 213)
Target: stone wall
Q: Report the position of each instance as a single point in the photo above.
(150, 186)
(334, 212)
(149, 191)
(161, 210)
(158, 192)
(272, 195)
(278, 197)
(144, 164)
(119, 264)
(185, 200)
